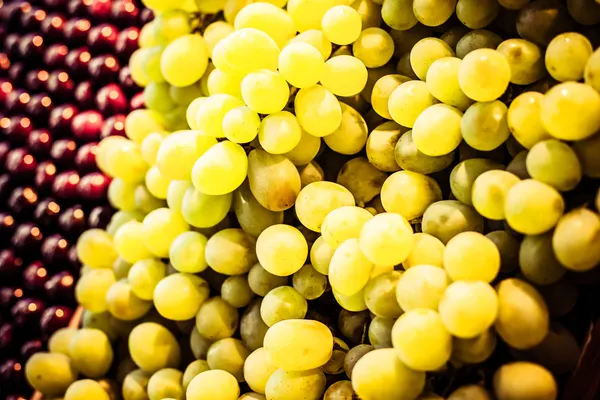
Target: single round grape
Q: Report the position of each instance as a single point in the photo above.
(219, 82)
(489, 192)
(554, 163)
(351, 135)
(341, 390)
(165, 382)
(471, 256)
(409, 158)
(586, 151)
(344, 223)
(320, 255)
(422, 286)
(309, 282)
(474, 350)
(426, 250)
(265, 92)
(430, 123)
(59, 341)
(283, 303)
(213, 384)
(194, 369)
(398, 14)
(508, 382)
(92, 287)
(268, 18)
(526, 60)
(446, 219)
(121, 194)
(127, 242)
(425, 52)
(484, 125)
(442, 82)
(374, 47)
(344, 75)
(537, 260)
(433, 13)
(240, 125)
(221, 169)
(362, 179)
(408, 101)
(350, 269)
(123, 304)
(476, 39)
(591, 73)
(156, 183)
(476, 14)
(216, 319)
(579, 49)
(309, 384)
(262, 281)
(91, 352)
(236, 291)
(380, 295)
(524, 119)
(379, 146)
(279, 132)
(484, 74)
(285, 257)
(576, 240)
(411, 204)
(187, 252)
(381, 234)
(382, 90)
(318, 110)
(231, 252)
(380, 332)
(135, 385)
(144, 275)
(50, 373)
(257, 369)
(341, 25)
(301, 64)
(252, 328)
(184, 60)
(179, 296)
(95, 248)
(228, 355)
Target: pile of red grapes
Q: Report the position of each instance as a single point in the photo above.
(64, 85)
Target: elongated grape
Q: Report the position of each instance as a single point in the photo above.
(362, 179)
(465, 173)
(579, 49)
(442, 82)
(213, 384)
(411, 203)
(252, 328)
(476, 14)
(123, 304)
(176, 64)
(257, 370)
(554, 163)
(484, 125)
(508, 383)
(484, 75)
(202, 210)
(575, 240)
(231, 252)
(91, 289)
(317, 199)
(91, 352)
(408, 101)
(349, 269)
(427, 250)
(380, 295)
(537, 260)
(474, 350)
(144, 275)
(489, 191)
(318, 111)
(380, 143)
(374, 47)
(50, 373)
(425, 52)
(409, 158)
(524, 119)
(351, 134)
(429, 125)
(526, 60)
(301, 65)
(216, 319)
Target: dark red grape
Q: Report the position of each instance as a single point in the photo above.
(85, 160)
(36, 80)
(60, 84)
(55, 56)
(7, 225)
(32, 19)
(102, 38)
(137, 101)
(103, 69)
(31, 347)
(100, 217)
(60, 119)
(98, 9)
(126, 81)
(61, 288)
(125, 12)
(12, 376)
(17, 100)
(114, 126)
(127, 42)
(35, 277)
(11, 266)
(45, 174)
(53, 26)
(63, 151)
(7, 336)
(47, 212)
(87, 126)
(77, 61)
(55, 250)
(20, 163)
(93, 186)
(22, 201)
(31, 46)
(16, 128)
(76, 30)
(27, 312)
(40, 141)
(55, 318)
(84, 94)
(65, 185)
(39, 107)
(27, 239)
(111, 100)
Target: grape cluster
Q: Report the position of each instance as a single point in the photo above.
(337, 199)
(58, 98)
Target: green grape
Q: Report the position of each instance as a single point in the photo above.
(526, 60)
(315, 38)
(422, 286)
(310, 283)
(228, 355)
(442, 82)
(382, 90)
(425, 52)
(192, 110)
(343, 223)
(386, 239)
(305, 151)
(95, 248)
(409, 158)
(141, 123)
(509, 382)
(184, 60)
(335, 365)
(210, 114)
(576, 240)
(484, 74)
(477, 39)
(50, 373)
(144, 275)
(279, 132)
(296, 385)
(398, 14)
(121, 194)
(252, 328)
(474, 350)
(374, 47)
(123, 304)
(179, 296)
(194, 369)
(579, 49)
(380, 145)
(312, 172)
(362, 179)
(220, 82)
(537, 260)
(524, 119)
(446, 219)
(569, 111)
(349, 270)
(230, 252)
(468, 308)
(508, 246)
(470, 392)
(355, 354)
(484, 125)
(145, 201)
(437, 130)
(523, 319)
(85, 389)
(150, 62)
(426, 250)
(105, 147)
(307, 14)
(320, 256)
(380, 374)
(149, 147)
(351, 134)
(354, 303)
(586, 151)
(100, 321)
(380, 295)
(453, 35)
(198, 344)
(147, 36)
(380, 332)
(161, 227)
(135, 385)
(404, 68)
(318, 110)
(240, 125)
(249, 50)
(344, 75)
(202, 210)
(268, 18)
(475, 14)
(300, 64)
(265, 92)
(157, 98)
(91, 289)
(236, 291)
(465, 173)
(274, 180)
(433, 13)
(213, 384)
(408, 101)
(373, 75)
(91, 352)
(187, 252)
(253, 217)
(404, 40)
(554, 163)
(216, 319)
(533, 207)
(489, 192)
(317, 199)
(127, 242)
(164, 383)
(411, 204)
(592, 72)
(59, 341)
(262, 281)
(257, 370)
(471, 256)
(282, 303)
(185, 95)
(221, 169)
(341, 25)
(298, 345)
(369, 12)
(136, 64)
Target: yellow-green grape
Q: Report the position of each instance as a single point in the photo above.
(476, 39)
(153, 347)
(344, 75)
(262, 281)
(474, 350)
(145, 202)
(135, 385)
(228, 355)
(386, 239)
(592, 71)
(102, 321)
(508, 246)
(123, 304)
(279, 133)
(150, 62)
(281, 249)
(150, 146)
(409, 158)
(354, 303)
(484, 74)
(398, 14)
(221, 169)
(249, 50)
(356, 352)
(194, 369)
(318, 199)
(380, 295)
(374, 47)
(230, 252)
(91, 289)
(179, 151)
(318, 110)
(216, 319)
(586, 152)
(537, 261)
(524, 119)
(471, 256)
(307, 14)
(404, 68)
(408, 101)
(484, 125)
(369, 12)
(554, 163)
(184, 60)
(351, 134)
(240, 125)
(379, 146)
(296, 385)
(312, 172)
(409, 203)
(210, 114)
(570, 111)
(50, 373)
(141, 123)
(362, 179)
(421, 286)
(465, 173)
(343, 223)
(574, 45)
(469, 392)
(178, 297)
(121, 194)
(156, 97)
(192, 110)
(305, 151)
(144, 275)
(335, 365)
(382, 90)
(489, 192)
(216, 32)
(380, 332)
(425, 52)
(268, 18)
(252, 327)
(257, 370)
(161, 227)
(442, 82)
(437, 130)
(220, 82)
(476, 14)
(187, 252)
(213, 384)
(86, 389)
(310, 283)
(198, 344)
(523, 318)
(533, 207)
(236, 291)
(421, 340)
(301, 64)
(202, 210)
(166, 382)
(265, 92)
(282, 303)
(349, 269)
(252, 216)
(156, 183)
(59, 341)
(341, 24)
(105, 147)
(315, 38)
(298, 344)
(446, 219)
(91, 352)
(136, 64)
(526, 60)
(576, 240)
(509, 382)
(95, 248)
(183, 96)
(373, 75)
(426, 250)
(468, 309)
(320, 255)
(273, 179)
(433, 13)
